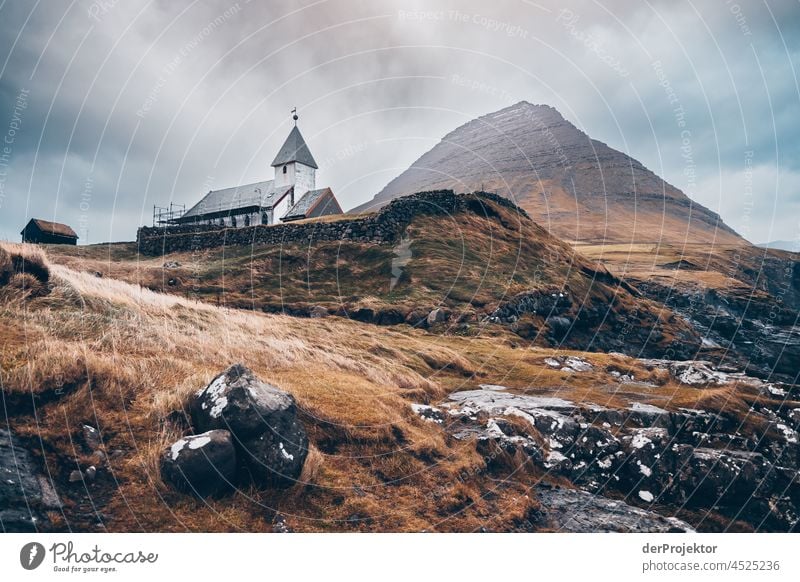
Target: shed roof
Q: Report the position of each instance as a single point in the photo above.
(262, 194)
(306, 203)
(294, 149)
(55, 228)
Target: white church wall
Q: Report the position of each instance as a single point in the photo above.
(282, 208)
(286, 179)
(305, 179)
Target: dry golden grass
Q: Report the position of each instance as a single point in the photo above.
(689, 264)
(126, 358)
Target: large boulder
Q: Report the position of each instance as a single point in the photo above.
(271, 441)
(276, 457)
(238, 401)
(203, 464)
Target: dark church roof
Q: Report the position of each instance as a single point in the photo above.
(294, 149)
(307, 203)
(261, 194)
(54, 228)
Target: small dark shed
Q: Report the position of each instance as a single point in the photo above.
(46, 232)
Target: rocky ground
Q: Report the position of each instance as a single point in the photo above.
(669, 461)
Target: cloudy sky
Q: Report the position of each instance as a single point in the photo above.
(109, 107)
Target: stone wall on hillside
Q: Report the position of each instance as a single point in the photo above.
(382, 227)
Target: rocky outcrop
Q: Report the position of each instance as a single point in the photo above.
(25, 493)
(576, 511)
(684, 458)
(750, 329)
(203, 464)
(547, 303)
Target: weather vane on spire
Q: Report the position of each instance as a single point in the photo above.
(294, 115)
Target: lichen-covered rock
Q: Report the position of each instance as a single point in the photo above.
(203, 464)
(438, 315)
(270, 440)
(276, 457)
(238, 401)
(91, 436)
(559, 326)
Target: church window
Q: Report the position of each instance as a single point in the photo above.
(284, 169)
(233, 221)
(247, 220)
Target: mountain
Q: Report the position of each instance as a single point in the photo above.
(782, 245)
(577, 187)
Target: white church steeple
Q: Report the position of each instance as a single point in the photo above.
(294, 165)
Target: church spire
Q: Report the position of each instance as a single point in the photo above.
(294, 149)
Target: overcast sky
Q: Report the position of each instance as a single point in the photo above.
(109, 107)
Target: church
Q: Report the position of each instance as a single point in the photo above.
(291, 195)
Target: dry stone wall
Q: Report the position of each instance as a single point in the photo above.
(383, 227)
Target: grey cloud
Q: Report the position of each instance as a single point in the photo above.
(189, 96)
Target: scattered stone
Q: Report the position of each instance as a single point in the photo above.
(684, 458)
(438, 315)
(578, 364)
(75, 476)
(203, 464)
(354, 518)
(417, 318)
(559, 326)
(172, 265)
(91, 473)
(280, 525)
(318, 312)
(429, 413)
(91, 436)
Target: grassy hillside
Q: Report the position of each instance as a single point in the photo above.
(470, 263)
(77, 349)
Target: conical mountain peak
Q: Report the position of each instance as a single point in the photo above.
(579, 188)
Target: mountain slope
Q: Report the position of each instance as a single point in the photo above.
(577, 187)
